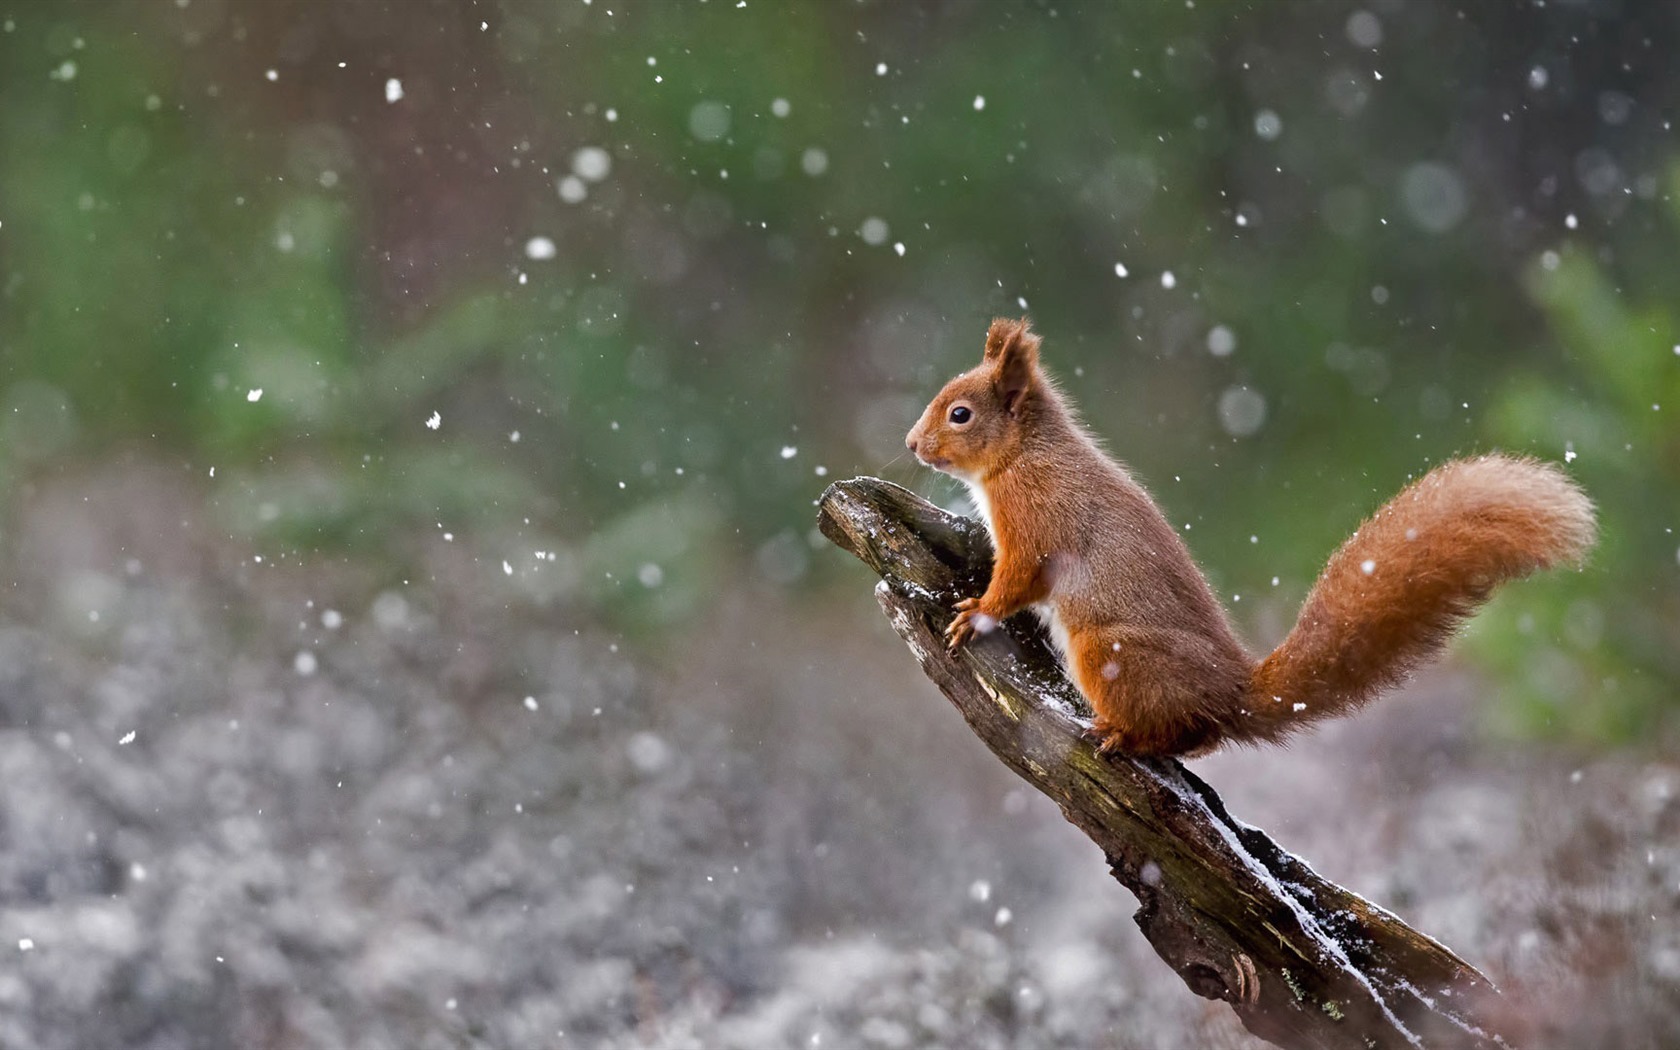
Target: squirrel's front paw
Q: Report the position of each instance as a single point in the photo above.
(963, 625)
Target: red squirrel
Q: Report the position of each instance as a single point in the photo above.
(1144, 638)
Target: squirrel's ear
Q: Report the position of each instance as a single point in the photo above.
(1015, 360)
(1003, 332)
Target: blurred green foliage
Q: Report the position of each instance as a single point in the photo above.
(810, 212)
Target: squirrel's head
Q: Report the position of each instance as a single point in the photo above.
(975, 422)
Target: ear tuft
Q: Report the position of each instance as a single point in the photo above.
(1012, 349)
(1005, 334)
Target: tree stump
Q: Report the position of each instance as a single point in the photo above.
(1303, 962)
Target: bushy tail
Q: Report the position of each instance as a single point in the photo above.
(1395, 591)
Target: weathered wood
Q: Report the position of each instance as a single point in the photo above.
(1303, 962)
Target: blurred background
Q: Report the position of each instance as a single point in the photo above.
(413, 631)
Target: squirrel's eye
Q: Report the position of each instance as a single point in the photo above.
(961, 414)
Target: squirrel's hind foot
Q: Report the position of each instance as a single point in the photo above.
(1185, 742)
(1109, 738)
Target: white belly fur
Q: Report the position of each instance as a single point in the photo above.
(1045, 611)
(982, 505)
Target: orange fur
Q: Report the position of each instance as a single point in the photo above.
(1144, 637)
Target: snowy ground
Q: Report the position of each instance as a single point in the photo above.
(364, 834)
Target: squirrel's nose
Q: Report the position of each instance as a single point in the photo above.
(910, 443)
